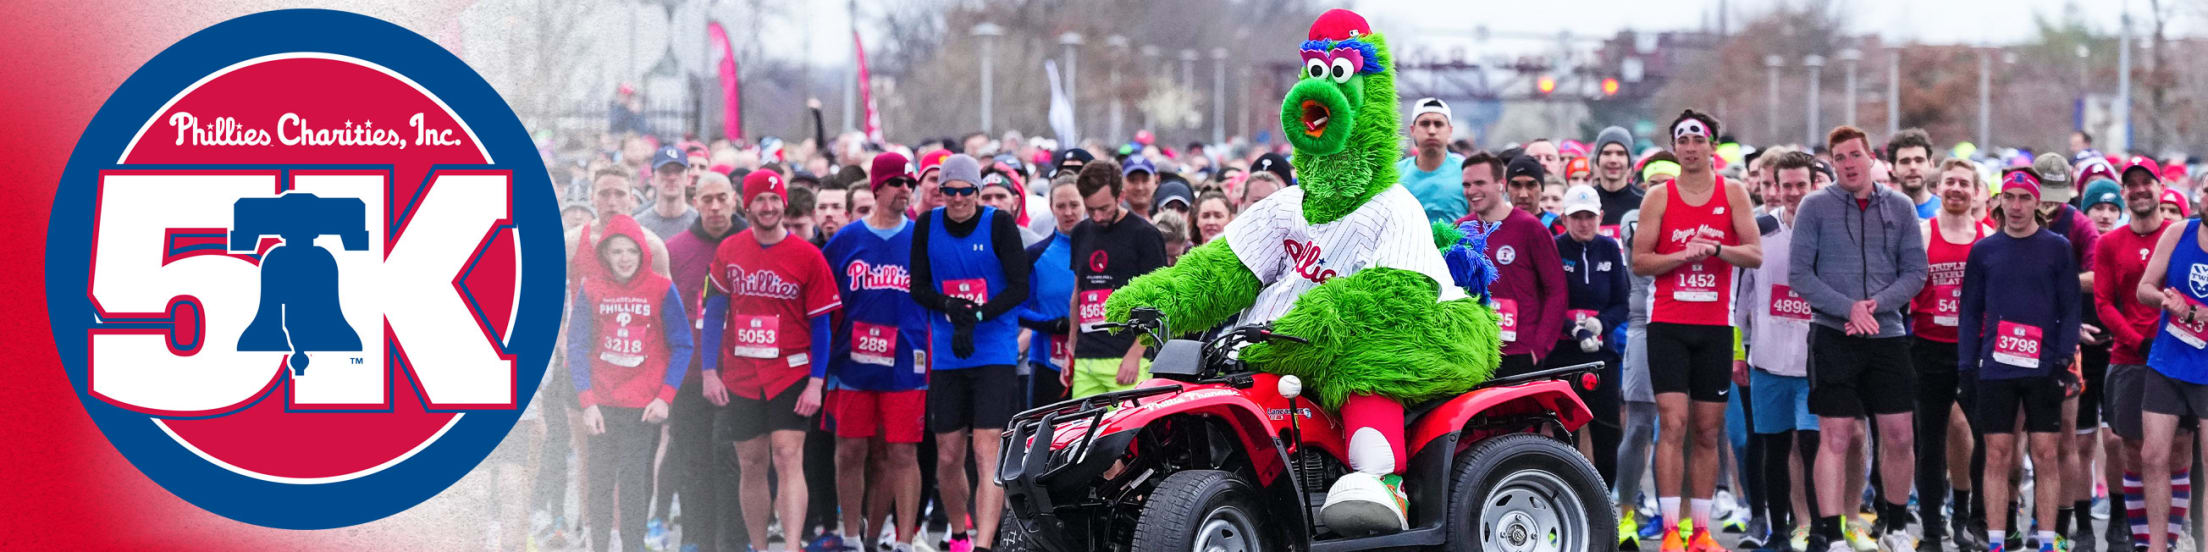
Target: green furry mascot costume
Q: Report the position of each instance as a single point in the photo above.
(1346, 260)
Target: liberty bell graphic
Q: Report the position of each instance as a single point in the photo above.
(299, 294)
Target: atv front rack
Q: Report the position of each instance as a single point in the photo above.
(1028, 461)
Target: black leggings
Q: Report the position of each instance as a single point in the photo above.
(1604, 402)
(1778, 490)
(620, 458)
(698, 464)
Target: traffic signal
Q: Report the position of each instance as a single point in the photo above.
(1545, 84)
(1610, 86)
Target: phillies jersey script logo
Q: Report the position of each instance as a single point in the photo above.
(761, 283)
(1305, 257)
(865, 277)
(304, 269)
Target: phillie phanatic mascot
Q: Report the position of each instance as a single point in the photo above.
(1395, 310)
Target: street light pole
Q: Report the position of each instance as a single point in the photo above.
(1771, 65)
(1150, 58)
(1188, 68)
(2122, 140)
(1985, 99)
(1893, 91)
(1218, 95)
(988, 33)
(1118, 43)
(1072, 42)
(1816, 65)
(1850, 56)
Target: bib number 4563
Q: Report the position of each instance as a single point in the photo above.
(156, 257)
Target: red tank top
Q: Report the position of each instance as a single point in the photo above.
(1700, 292)
(1938, 305)
(628, 358)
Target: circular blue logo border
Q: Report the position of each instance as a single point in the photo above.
(535, 218)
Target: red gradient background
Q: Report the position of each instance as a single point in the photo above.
(62, 486)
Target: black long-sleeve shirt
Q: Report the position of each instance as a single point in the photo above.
(1004, 242)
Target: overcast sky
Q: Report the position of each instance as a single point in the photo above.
(1897, 21)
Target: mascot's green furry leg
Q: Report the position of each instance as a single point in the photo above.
(1379, 339)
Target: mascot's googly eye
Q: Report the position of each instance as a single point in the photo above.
(1316, 68)
(1342, 70)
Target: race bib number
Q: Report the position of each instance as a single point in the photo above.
(1787, 305)
(1060, 355)
(622, 351)
(1507, 310)
(970, 289)
(2194, 334)
(756, 336)
(1947, 305)
(2017, 345)
(873, 344)
(1695, 285)
(1092, 309)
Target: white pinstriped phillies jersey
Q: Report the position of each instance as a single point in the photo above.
(1291, 256)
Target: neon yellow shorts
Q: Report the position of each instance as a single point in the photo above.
(1092, 376)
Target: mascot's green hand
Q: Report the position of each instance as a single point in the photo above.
(1126, 299)
(1208, 286)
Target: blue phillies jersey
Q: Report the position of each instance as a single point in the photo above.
(881, 328)
(1050, 291)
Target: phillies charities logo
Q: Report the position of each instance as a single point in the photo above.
(304, 268)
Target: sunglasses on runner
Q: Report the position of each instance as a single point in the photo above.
(960, 191)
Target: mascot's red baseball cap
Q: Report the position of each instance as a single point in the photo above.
(1339, 24)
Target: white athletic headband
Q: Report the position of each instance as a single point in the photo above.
(1689, 126)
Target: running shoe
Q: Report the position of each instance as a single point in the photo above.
(1858, 536)
(1799, 540)
(1673, 541)
(1629, 530)
(1757, 536)
(1701, 542)
(827, 542)
(1653, 528)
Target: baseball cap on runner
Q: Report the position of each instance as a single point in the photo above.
(1278, 165)
(1431, 105)
(669, 155)
(1138, 163)
(1576, 166)
(2142, 163)
(2054, 178)
(1582, 198)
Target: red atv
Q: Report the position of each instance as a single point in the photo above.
(1215, 456)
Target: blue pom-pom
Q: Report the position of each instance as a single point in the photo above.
(1467, 260)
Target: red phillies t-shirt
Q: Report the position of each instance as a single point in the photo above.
(2119, 259)
(1700, 292)
(1937, 308)
(773, 294)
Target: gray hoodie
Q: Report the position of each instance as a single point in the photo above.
(1843, 253)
